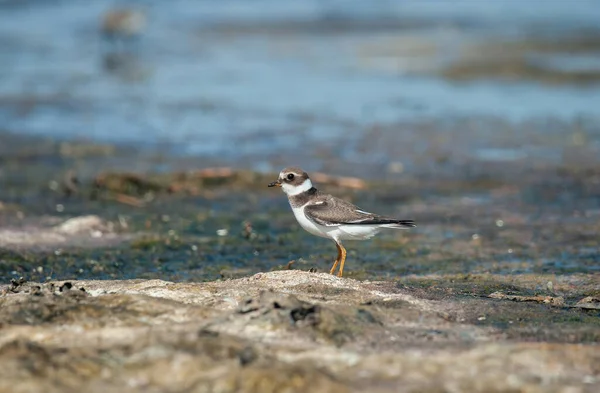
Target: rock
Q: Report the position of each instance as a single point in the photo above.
(285, 331)
(337, 324)
(83, 224)
(80, 231)
(555, 301)
(590, 303)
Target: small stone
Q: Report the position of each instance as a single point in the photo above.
(81, 224)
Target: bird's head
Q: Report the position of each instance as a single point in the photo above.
(293, 181)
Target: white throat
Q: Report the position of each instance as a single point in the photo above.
(295, 190)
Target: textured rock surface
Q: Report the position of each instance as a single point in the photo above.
(49, 233)
(293, 331)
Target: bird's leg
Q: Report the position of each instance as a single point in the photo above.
(337, 260)
(342, 260)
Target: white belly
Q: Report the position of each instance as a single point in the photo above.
(338, 232)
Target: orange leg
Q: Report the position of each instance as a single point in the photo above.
(342, 260)
(337, 260)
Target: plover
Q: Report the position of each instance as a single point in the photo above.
(123, 23)
(327, 216)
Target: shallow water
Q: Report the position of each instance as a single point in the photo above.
(205, 74)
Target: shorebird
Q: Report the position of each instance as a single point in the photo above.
(327, 216)
(123, 23)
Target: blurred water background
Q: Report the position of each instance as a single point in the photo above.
(255, 83)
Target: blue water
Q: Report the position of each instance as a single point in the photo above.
(193, 84)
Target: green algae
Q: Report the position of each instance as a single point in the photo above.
(229, 224)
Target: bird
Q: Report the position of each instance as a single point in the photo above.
(124, 24)
(327, 216)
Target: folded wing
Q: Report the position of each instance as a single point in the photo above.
(332, 211)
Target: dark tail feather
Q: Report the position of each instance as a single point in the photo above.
(402, 224)
(391, 222)
(406, 223)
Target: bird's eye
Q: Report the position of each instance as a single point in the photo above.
(290, 176)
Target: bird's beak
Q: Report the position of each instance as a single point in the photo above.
(275, 184)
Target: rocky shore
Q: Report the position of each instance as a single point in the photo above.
(295, 331)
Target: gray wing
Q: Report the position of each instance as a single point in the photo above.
(330, 211)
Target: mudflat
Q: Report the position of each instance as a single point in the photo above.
(120, 276)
